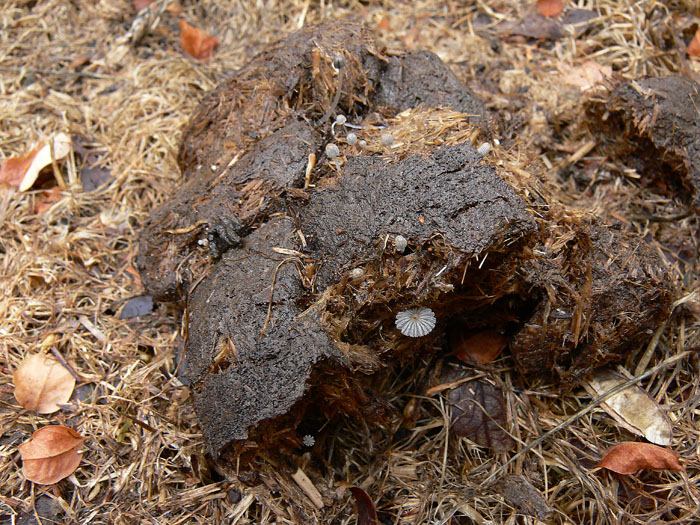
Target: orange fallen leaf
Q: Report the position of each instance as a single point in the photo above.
(196, 42)
(23, 171)
(630, 457)
(481, 347)
(384, 24)
(693, 48)
(42, 384)
(550, 7)
(51, 454)
(141, 4)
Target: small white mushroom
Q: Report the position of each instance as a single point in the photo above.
(362, 143)
(309, 440)
(340, 119)
(484, 149)
(332, 150)
(400, 243)
(351, 138)
(416, 322)
(387, 139)
(356, 273)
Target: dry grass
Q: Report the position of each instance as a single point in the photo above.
(67, 271)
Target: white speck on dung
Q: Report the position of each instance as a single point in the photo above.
(484, 149)
(387, 139)
(416, 322)
(340, 119)
(400, 243)
(308, 440)
(356, 273)
(351, 138)
(332, 150)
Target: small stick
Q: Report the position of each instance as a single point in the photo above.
(65, 364)
(309, 488)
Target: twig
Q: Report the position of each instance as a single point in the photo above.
(570, 420)
(65, 364)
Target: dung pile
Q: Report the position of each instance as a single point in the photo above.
(294, 257)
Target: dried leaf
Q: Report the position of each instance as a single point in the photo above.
(42, 384)
(550, 7)
(693, 48)
(478, 413)
(533, 26)
(385, 24)
(23, 171)
(633, 407)
(141, 4)
(140, 305)
(196, 42)
(93, 178)
(51, 454)
(366, 511)
(630, 457)
(520, 493)
(480, 347)
(584, 76)
(46, 199)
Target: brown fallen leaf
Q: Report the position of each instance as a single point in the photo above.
(385, 24)
(632, 407)
(46, 199)
(42, 384)
(478, 413)
(533, 26)
(366, 511)
(141, 4)
(51, 454)
(630, 457)
(23, 171)
(550, 7)
(196, 42)
(693, 48)
(480, 347)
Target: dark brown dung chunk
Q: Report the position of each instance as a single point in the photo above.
(221, 206)
(602, 294)
(287, 261)
(653, 125)
(420, 77)
(449, 193)
(240, 376)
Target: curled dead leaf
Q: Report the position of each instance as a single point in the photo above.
(480, 347)
(51, 454)
(478, 413)
(42, 384)
(366, 511)
(630, 457)
(693, 48)
(632, 407)
(24, 171)
(550, 7)
(196, 42)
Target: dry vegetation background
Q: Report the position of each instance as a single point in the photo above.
(66, 270)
